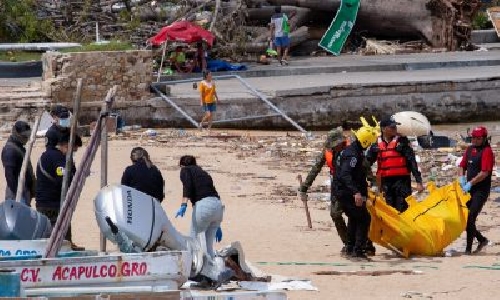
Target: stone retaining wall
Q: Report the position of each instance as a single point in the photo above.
(130, 70)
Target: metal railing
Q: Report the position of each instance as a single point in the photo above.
(254, 91)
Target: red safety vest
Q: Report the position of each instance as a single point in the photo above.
(331, 153)
(389, 161)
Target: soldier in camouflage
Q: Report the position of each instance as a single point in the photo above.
(335, 142)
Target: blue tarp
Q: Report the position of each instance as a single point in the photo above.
(218, 65)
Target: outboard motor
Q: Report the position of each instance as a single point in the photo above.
(20, 222)
(137, 223)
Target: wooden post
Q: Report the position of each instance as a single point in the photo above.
(26, 160)
(104, 162)
(306, 207)
(69, 155)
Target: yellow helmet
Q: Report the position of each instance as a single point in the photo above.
(376, 127)
(366, 136)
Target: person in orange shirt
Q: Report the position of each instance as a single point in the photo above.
(208, 98)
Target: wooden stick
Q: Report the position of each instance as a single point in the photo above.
(306, 207)
(66, 211)
(26, 160)
(69, 156)
(104, 161)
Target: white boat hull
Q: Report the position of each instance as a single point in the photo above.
(164, 268)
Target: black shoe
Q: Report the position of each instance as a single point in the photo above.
(467, 252)
(481, 245)
(370, 251)
(359, 256)
(346, 251)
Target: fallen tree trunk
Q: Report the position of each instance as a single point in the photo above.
(442, 23)
(296, 38)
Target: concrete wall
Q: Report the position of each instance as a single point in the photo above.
(324, 107)
(130, 70)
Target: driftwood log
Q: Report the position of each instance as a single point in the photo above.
(242, 26)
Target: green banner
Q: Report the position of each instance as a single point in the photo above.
(341, 26)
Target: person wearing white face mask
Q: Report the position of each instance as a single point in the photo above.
(61, 125)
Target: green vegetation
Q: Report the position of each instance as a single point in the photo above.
(19, 56)
(481, 21)
(19, 23)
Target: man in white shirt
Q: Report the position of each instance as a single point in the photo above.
(280, 29)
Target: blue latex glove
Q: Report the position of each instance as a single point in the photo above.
(462, 180)
(467, 187)
(218, 235)
(182, 210)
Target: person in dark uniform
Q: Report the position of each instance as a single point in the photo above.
(143, 176)
(352, 190)
(475, 172)
(12, 159)
(395, 163)
(61, 125)
(335, 142)
(50, 171)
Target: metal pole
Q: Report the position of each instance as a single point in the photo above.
(164, 97)
(246, 118)
(69, 156)
(264, 98)
(104, 161)
(162, 58)
(26, 161)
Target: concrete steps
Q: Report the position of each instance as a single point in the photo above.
(20, 99)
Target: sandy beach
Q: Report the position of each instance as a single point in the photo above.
(257, 182)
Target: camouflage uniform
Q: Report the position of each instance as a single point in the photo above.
(334, 138)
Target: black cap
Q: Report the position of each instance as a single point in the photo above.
(389, 122)
(21, 126)
(65, 137)
(60, 111)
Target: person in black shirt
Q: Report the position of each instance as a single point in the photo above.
(12, 159)
(198, 187)
(142, 175)
(352, 190)
(61, 125)
(50, 171)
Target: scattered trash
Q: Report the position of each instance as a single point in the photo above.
(412, 294)
(150, 133)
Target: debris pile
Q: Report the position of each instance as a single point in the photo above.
(242, 26)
